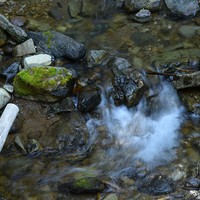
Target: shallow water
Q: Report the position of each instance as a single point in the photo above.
(145, 136)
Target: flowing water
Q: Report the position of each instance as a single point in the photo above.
(154, 135)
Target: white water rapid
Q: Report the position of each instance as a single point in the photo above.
(147, 133)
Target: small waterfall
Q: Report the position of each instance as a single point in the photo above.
(147, 133)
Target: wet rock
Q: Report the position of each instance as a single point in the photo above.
(15, 32)
(83, 185)
(3, 38)
(143, 16)
(155, 184)
(75, 7)
(96, 57)
(188, 31)
(128, 85)
(11, 71)
(8, 87)
(33, 146)
(89, 99)
(58, 45)
(111, 197)
(24, 49)
(20, 144)
(136, 5)
(66, 105)
(184, 9)
(43, 83)
(37, 60)
(187, 80)
(18, 21)
(4, 97)
(192, 184)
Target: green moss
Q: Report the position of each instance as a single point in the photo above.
(83, 183)
(48, 35)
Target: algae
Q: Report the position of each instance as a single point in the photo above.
(49, 36)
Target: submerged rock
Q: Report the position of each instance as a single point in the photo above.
(142, 16)
(89, 99)
(14, 31)
(83, 185)
(184, 8)
(43, 83)
(136, 5)
(155, 184)
(58, 44)
(128, 85)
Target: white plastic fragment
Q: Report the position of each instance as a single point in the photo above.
(6, 121)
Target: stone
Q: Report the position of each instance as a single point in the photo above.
(188, 31)
(18, 21)
(89, 99)
(83, 185)
(128, 85)
(155, 184)
(185, 8)
(48, 84)
(143, 16)
(5, 97)
(111, 197)
(136, 5)
(8, 87)
(24, 49)
(96, 57)
(58, 45)
(14, 31)
(192, 184)
(3, 38)
(75, 7)
(37, 60)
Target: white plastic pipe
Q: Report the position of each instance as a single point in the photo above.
(6, 121)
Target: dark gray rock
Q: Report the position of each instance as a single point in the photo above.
(136, 5)
(156, 184)
(83, 185)
(58, 44)
(128, 85)
(184, 8)
(89, 99)
(14, 31)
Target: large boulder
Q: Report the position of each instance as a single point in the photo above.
(183, 8)
(128, 85)
(136, 5)
(43, 83)
(58, 44)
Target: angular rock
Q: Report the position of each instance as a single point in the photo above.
(89, 99)
(136, 5)
(128, 85)
(96, 57)
(185, 8)
(58, 45)
(25, 48)
(37, 60)
(83, 185)
(143, 16)
(4, 97)
(43, 83)
(155, 184)
(8, 87)
(3, 38)
(15, 32)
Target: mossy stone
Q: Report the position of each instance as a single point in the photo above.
(43, 83)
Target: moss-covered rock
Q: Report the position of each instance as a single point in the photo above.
(43, 83)
(83, 185)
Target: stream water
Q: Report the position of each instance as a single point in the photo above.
(154, 135)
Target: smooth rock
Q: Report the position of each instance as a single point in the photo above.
(43, 83)
(15, 32)
(143, 16)
(5, 97)
(188, 31)
(58, 44)
(83, 185)
(24, 49)
(96, 57)
(183, 8)
(18, 21)
(89, 99)
(37, 60)
(3, 38)
(136, 5)
(8, 87)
